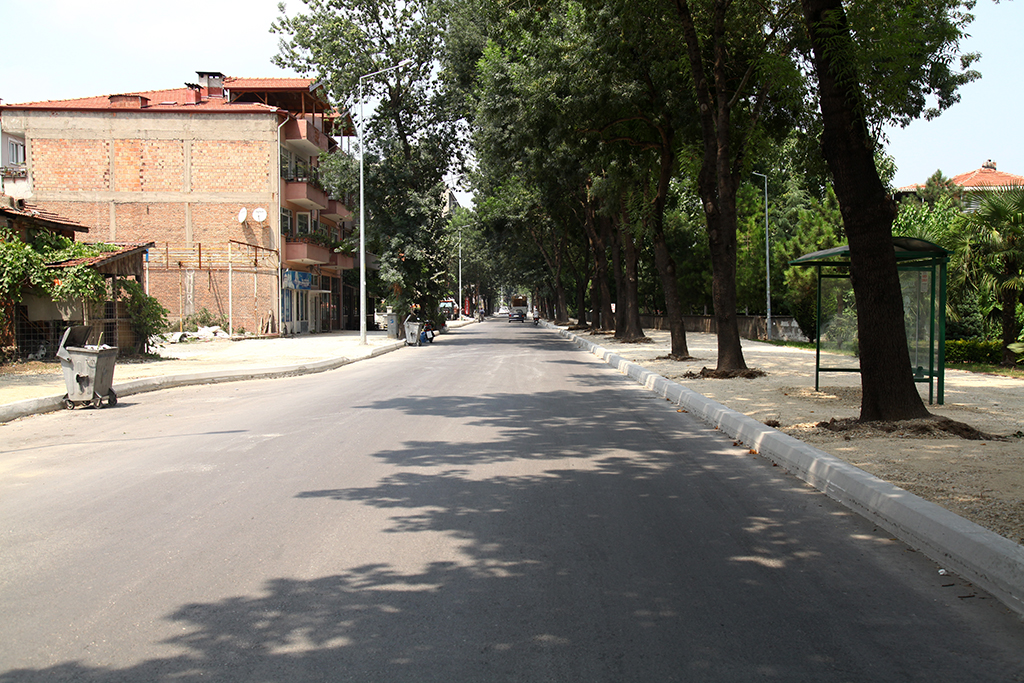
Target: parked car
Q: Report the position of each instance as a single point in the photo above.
(517, 314)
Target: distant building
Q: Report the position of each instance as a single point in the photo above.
(984, 179)
(221, 175)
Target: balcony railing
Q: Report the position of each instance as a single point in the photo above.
(14, 171)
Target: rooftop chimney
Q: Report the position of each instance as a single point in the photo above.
(212, 83)
(989, 164)
(194, 94)
(128, 101)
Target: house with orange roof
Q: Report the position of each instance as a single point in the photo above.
(984, 179)
(221, 175)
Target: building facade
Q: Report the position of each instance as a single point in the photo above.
(221, 175)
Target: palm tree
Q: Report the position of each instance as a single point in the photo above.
(991, 250)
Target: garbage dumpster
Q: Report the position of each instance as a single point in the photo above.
(88, 370)
(412, 332)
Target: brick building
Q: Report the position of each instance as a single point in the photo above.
(221, 175)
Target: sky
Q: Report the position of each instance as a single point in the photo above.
(71, 48)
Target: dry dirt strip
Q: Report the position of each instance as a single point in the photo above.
(981, 556)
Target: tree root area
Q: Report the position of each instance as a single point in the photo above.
(746, 373)
(675, 357)
(933, 426)
(635, 340)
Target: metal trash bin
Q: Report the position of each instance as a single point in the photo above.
(412, 332)
(88, 372)
(392, 325)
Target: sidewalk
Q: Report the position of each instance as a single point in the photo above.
(204, 362)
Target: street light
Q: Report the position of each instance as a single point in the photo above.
(767, 258)
(458, 299)
(362, 209)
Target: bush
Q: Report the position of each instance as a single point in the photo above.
(973, 351)
(148, 316)
(202, 318)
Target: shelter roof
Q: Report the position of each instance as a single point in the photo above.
(124, 250)
(906, 248)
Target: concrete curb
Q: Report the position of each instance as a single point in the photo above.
(981, 556)
(34, 406)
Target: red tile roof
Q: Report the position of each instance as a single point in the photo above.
(171, 99)
(267, 83)
(33, 213)
(987, 177)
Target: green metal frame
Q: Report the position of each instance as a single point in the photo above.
(912, 255)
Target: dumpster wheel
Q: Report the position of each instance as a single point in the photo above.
(97, 402)
(68, 403)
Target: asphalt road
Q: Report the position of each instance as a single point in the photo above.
(497, 506)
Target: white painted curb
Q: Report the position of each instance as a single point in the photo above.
(983, 557)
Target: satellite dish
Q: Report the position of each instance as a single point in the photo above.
(259, 214)
(242, 213)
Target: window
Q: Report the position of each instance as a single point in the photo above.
(286, 163)
(15, 152)
(286, 221)
(302, 223)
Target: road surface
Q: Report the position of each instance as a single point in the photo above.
(496, 506)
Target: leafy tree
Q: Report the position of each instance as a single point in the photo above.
(411, 138)
(741, 72)
(879, 64)
(938, 187)
(992, 250)
(818, 225)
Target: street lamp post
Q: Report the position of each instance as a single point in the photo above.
(362, 207)
(458, 298)
(767, 259)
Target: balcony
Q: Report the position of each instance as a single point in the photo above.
(305, 192)
(297, 252)
(341, 262)
(305, 138)
(336, 211)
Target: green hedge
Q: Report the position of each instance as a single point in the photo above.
(973, 351)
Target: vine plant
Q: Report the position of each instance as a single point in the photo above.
(23, 268)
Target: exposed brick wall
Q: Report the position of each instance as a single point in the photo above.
(149, 165)
(148, 222)
(231, 165)
(93, 215)
(209, 290)
(75, 165)
(218, 223)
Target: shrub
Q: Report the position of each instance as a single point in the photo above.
(148, 316)
(201, 318)
(973, 351)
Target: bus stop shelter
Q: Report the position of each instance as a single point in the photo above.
(922, 271)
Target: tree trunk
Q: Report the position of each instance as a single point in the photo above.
(601, 296)
(603, 231)
(662, 256)
(716, 182)
(888, 391)
(628, 309)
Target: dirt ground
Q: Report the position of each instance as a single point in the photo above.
(982, 480)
